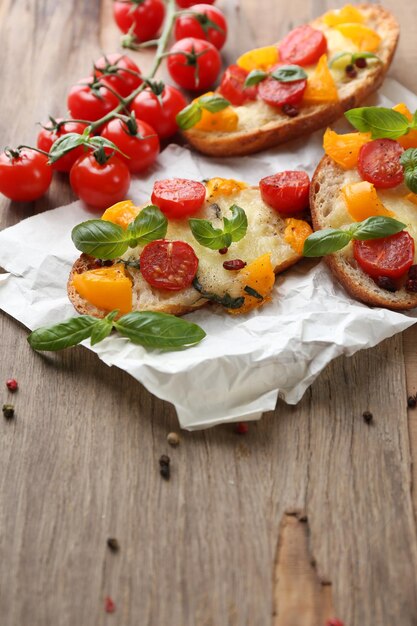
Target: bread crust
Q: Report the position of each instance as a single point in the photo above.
(358, 284)
(311, 117)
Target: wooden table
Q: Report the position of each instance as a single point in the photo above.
(312, 514)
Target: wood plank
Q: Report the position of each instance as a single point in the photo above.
(80, 462)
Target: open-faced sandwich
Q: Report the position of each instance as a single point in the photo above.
(363, 202)
(222, 241)
(283, 91)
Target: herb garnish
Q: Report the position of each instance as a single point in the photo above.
(192, 114)
(381, 122)
(234, 229)
(408, 160)
(226, 300)
(283, 74)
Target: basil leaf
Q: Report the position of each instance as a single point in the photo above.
(208, 236)
(65, 144)
(189, 117)
(376, 227)
(225, 300)
(289, 73)
(213, 104)
(413, 123)
(159, 330)
(63, 335)
(338, 56)
(408, 160)
(255, 77)
(237, 225)
(101, 330)
(364, 55)
(326, 241)
(100, 239)
(149, 225)
(380, 121)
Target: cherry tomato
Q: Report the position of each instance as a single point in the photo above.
(112, 67)
(379, 163)
(84, 104)
(286, 192)
(142, 148)
(185, 4)
(232, 86)
(302, 46)
(25, 177)
(199, 69)
(100, 185)
(145, 17)
(160, 112)
(390, 256)
(48, 137)
(276, 93)
(168, 264)
(200, 27)
(178, 197)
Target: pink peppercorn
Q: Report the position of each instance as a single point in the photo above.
(234, 264)
(109, 605)
(334, 622)
(11, 384)
(242, 428)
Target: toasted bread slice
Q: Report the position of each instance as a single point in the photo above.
(265, 234)
(262, 126)
(328, 211)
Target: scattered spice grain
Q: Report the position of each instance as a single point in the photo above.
(367, 416)
(8, 411)
(113, 544)
(109, 605)
(173, 439)
(12, 385)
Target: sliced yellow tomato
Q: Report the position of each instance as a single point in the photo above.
(225, 120)
(411, 197)
(344, 149)
(362, 201)
(224, 186)
(259, 58)
(259, 276)
(122, 213)
(296, 232)
(320, 85)
(349, 14)
(106, 288)
(362, 36)
(410, 139)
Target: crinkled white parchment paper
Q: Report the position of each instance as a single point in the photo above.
(238, 370)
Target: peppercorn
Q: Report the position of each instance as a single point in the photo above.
(109, 605)
(164, 460)
(412, 402)
(412, 272)
(290, 109)
(361, 62)
(411, 285)
(367, 416)
(8, 411)
(334, 622)
(223, 250)
(11, 384)
(113, 544)
(242, 428)
(386, 283)
(234, 264)
(350, 71)
(164, 468)
(173, 439)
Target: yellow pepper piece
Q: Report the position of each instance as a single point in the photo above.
(122, 213)
(106, 288)
(411, 197)
(362, 36)
(410, 139)
(259, 58)
(320, 85)
(296, 232)
(225, 120)
(348, 14)
(344, 149)
(224, 187)
(362, 201)
(260, 276)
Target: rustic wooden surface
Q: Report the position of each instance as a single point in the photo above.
(311, 514)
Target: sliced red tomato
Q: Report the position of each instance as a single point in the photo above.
(302, 46)
(379, 163)
(113, 67)
(232, 86)
(286, 192)
(277, 93)
(168, 264)
(390, 256)
(47, 138)
(178, 197)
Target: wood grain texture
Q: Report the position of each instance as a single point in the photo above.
(80, 462)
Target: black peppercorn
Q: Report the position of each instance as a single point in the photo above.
(113, 544)
(165, 472)
(411, 402)
(164, 460)
(8, 411)
(411, 285)
(386, 283)
(350, 71)
(367, 416)
(361, 62)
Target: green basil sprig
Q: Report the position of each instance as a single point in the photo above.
(234, 229)
(330, 240)
(351, 57)
(380, 122)
(144, 328)
(191, 114)
(408, 160)
(105, 240)
(284, 74)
